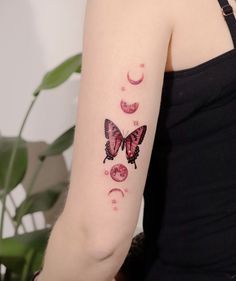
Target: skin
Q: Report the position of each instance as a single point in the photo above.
(195, 38)
(136, 123)
(88, 231)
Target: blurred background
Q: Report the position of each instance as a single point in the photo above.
(36, 36)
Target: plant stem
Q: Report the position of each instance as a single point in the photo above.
(28, 264)
(10, 166)
(15, 207)
(7, 183)
(12, 200)
(33, 221)
(28, 192)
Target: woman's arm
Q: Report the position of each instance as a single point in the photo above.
(124, 56)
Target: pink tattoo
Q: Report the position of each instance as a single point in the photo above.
(135, 82)
(129, 108)
(116, 190)
(116, 140)
(136, 123)
(114, 202)
(119, 173)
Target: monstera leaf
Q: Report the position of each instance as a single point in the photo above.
(19, 164)
(15, 250)
(62, 143)
(41, 201)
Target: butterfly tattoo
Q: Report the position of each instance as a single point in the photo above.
(116, 140)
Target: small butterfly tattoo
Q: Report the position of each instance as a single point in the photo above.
(116, 140)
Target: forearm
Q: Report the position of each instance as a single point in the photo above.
(69, 257)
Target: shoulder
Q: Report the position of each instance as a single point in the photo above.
(149, 22)
(135, 10)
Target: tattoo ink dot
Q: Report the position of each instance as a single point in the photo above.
(113, 201)
(136, 123)
(106, 172)
(119, 173)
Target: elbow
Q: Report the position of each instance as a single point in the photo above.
(99, 250)
(96, 243)
(107, 246)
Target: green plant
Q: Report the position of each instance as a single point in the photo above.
(22, 254)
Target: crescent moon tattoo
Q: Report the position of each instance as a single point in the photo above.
(135, 82)
(116, 190)
(129, 108)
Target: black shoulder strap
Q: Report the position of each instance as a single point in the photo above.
(228, 13)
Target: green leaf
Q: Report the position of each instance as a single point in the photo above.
(41, 201)
(27, 269)
(78, 70)
(60, 74)
(62, 143)
(14, 250)
(19, 165)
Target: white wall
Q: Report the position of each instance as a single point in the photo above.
(34, 37)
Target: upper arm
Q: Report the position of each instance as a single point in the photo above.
(120, 38)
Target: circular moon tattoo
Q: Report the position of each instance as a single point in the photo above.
(116, 190)
(119, 172)
(135, 82)
(129, 108)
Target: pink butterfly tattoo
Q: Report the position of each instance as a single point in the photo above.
(116, 140)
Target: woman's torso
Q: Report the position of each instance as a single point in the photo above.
(190, 194)
(200, 33)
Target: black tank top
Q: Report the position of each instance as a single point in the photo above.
(190, 194)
